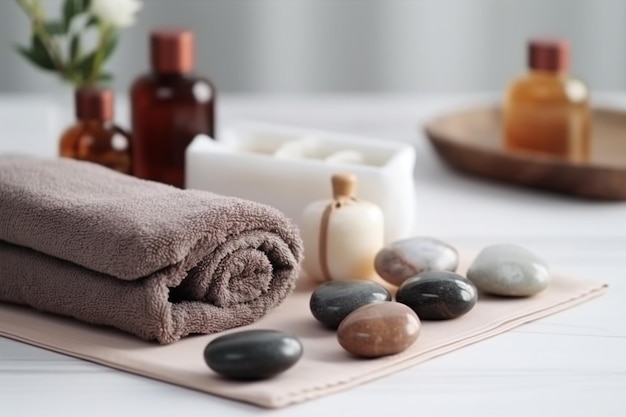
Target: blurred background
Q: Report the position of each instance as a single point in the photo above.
(297, 46)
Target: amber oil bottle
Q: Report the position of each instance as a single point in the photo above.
(170, 106)
(95, 137)
(546, 112)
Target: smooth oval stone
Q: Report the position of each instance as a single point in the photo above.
(438, 295)
(331, 302)
(406, 258)
(509, 270)
(252, 354)
(379, 329)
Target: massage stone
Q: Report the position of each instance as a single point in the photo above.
(252, 354)
(438, 295)
(406, 258)
(379, 329)
(509, 270)
(331, 302)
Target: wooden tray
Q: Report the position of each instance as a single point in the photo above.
(470, 141)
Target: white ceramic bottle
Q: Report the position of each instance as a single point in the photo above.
(341, 236)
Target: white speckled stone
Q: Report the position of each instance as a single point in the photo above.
(406, 258)
(509, 270)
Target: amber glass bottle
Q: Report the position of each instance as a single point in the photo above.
(169, 108)
(547, 111)
(94, 137)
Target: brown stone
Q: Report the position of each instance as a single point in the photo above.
(379, 329)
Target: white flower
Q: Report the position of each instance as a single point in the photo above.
(118, 13)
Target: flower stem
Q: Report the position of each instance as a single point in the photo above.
(105, 33)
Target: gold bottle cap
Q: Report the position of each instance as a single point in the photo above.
(344, 185)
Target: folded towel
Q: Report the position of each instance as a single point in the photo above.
(81, 240)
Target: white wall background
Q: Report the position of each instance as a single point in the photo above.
(354, 45)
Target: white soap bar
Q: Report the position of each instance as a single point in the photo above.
(303, 148)
(241, 163)
(345, 157)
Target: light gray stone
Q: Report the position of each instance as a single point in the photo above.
(509, 270)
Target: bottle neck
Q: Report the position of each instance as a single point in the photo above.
(106, 123)
(170, 75)
(563, 73)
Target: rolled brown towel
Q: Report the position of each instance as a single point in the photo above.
(84, 241)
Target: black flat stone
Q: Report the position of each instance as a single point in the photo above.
(438, 295)
(252, 354)
(332, 301)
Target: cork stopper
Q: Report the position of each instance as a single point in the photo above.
(344, 186)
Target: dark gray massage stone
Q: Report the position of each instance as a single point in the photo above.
(253, 354)
(332, 301)
(438, 295)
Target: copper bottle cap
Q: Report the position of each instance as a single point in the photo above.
(172, 51)
(548, 54)
(94, 104)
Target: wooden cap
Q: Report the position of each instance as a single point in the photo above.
(344, 185)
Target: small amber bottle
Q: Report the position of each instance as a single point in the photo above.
(94, 137)
(169, 108)
(547, 111)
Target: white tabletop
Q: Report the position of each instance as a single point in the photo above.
(570, 364)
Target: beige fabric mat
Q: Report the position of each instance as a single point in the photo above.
(325, 368)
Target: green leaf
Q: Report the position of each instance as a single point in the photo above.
(41, 52)
(37, 54)
(55, 28)
(85, 65)
(73, 8)
(74, 48)
(27, 54)
(69, 11)
(82, 6)
(93, 21)
(36, 58)
(105, 77)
